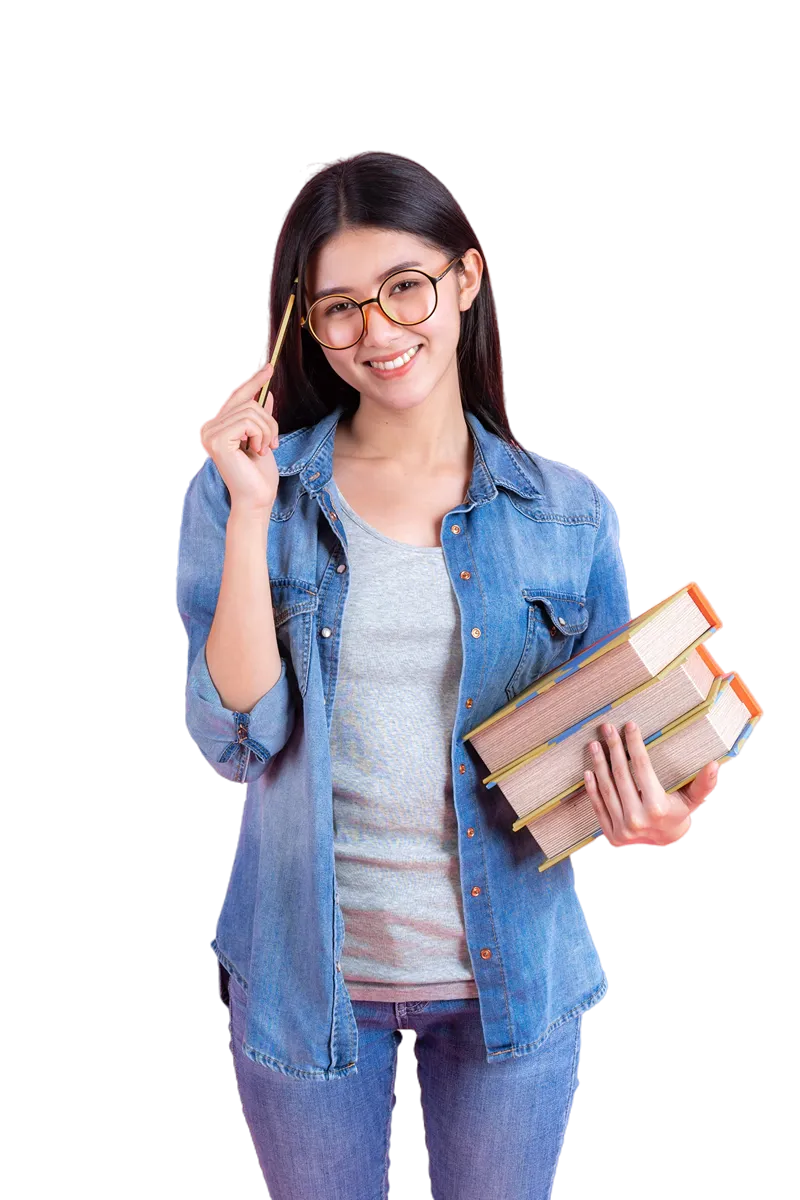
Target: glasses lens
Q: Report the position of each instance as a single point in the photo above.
(408, 297)
(336, 321)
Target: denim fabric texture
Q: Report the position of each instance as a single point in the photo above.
(490, 1131)
(533, 556)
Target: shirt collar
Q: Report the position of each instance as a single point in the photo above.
(309, 453)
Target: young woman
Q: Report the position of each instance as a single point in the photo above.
(370, 566)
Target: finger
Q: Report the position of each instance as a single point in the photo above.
(628, 792)
(269, 399)
(272, 426)
(261, 380)
(233, 430)
(598, 805)
(607, 788)
(250, 389)
(270, 439)
(701, 786)
(230, 421)
(642, 770)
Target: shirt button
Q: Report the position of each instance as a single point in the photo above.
(338, 966)
(561, 621)
(455, 529)
(476, 891)
(553, 631)
(341, 567)
(325, 631)
(468, 702)
(466, 574)
(470, 832)
(241, 730)
(476, 632)
(486, 953)
(461, 768)
(333, 515)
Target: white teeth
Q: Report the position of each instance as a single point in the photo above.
(397, 362)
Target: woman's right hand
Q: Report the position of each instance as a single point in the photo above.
(250, 475)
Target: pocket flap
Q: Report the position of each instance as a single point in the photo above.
(566, 614)
(290, 597)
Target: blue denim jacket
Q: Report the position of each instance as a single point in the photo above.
(533, 555)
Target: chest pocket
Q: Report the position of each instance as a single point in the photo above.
(294, 604)
(552, 622)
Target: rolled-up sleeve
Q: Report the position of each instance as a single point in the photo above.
(607, 597)
(238, 745)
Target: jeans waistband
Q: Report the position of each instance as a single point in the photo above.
(404, 1007)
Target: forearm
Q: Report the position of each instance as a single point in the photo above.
(242, 652)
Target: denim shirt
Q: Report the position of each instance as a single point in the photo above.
(533, 557)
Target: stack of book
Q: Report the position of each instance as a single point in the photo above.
(656, 671)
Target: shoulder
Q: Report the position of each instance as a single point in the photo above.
(566, 488)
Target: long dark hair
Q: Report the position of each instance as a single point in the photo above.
(384, 191)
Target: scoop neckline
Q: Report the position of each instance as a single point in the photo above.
(376, 533)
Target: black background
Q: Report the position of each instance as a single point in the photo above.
(627, 336)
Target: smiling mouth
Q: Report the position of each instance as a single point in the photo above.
(396, 363)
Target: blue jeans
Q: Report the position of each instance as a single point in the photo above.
(493, 1130)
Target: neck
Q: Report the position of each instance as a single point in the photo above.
(418, 438)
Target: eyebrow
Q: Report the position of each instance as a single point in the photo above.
(346, 290)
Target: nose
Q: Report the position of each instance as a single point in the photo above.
(373, 311)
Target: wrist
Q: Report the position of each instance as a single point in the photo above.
(250, 518)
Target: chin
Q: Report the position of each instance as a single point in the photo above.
(396, 403)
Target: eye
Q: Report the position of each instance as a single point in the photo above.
(406, 284)
(334, 309)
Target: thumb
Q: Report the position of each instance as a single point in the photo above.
(701, 786)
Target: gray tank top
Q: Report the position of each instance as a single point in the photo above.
(395, 828)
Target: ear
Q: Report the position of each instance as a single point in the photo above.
(469, 278)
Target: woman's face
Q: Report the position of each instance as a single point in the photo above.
(355, 262)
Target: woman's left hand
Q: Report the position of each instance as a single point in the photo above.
(646, 813)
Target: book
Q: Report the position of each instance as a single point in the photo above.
(546, 774)
(655, 670)
(718, 730)
(613, 665)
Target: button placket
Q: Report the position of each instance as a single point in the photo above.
(326, 630)
(470, 833)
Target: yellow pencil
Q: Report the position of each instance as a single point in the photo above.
(287, 312)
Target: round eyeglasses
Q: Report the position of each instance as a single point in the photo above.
(405, 297)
